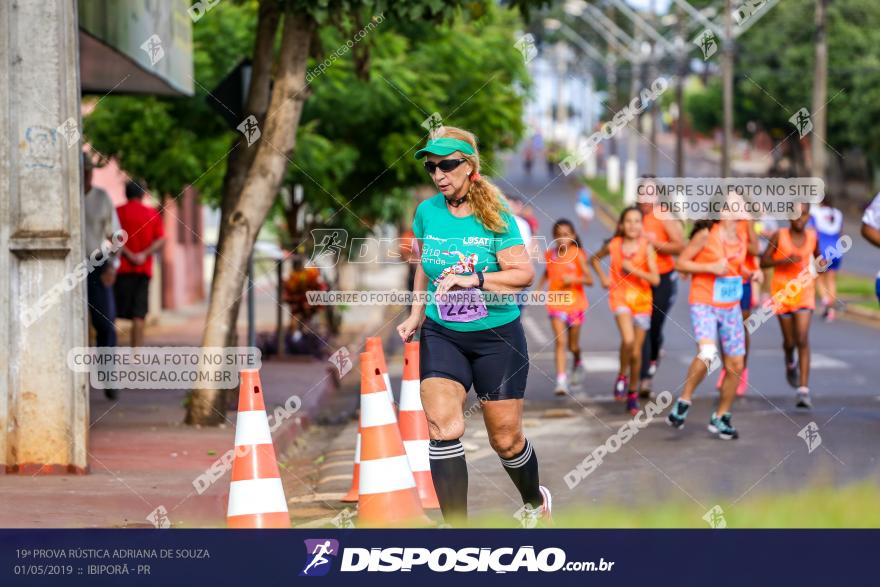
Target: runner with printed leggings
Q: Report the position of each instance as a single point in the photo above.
(469, 242)
(715, 257)
(667, 238)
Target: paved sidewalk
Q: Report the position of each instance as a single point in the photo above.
(144, 462)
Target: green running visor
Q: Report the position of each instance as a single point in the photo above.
(445, 146)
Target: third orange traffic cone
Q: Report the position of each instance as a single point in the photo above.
(256, 496)
(414, 426)
(352, 494)
(387, 489)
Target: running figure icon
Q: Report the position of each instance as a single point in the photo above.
(318, 556)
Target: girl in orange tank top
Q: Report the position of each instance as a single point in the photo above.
(745, 230)
(632, 273)
(716, 259)
(791, 252)
(566, 273)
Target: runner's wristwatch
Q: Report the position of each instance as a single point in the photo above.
(480, 279)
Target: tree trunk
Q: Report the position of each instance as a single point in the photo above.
(256, 104)
(820, 93)
(247, 214)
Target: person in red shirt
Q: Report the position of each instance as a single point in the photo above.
(145, 237)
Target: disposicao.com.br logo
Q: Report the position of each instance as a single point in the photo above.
(444, 559)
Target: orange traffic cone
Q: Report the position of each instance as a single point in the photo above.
(387, 489)
(374, 345)
(414, 426)
(256, 496)
(352, 494)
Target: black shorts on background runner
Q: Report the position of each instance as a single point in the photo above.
(495, 361)
(132, 291)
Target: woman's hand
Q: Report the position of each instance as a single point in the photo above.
(626, 266)
(408, 327)
(718, 267)
(758, 276)
(605, 282)
(461, 281)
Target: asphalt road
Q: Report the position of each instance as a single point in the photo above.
(689, 464)
(658, 463)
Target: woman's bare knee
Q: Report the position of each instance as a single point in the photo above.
(507, 444)
(442, 401)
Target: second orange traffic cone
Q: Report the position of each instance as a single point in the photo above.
(256, 496)
(374, 345)
(414, 426)
(387, 489)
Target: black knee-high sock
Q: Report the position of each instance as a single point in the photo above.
(523, 471)
(449, 471)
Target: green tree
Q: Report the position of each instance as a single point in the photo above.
(358, 131)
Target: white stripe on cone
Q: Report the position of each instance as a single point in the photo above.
(376, 410)
(410, 396)
(387, 379)
(256, 496)
(417, 453)
(252, 427)
(386, 475)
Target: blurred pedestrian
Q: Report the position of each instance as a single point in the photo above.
(100, 224)
(584, 207)
(828, 222)
(871, 232)
(146, 235)
(666, 236)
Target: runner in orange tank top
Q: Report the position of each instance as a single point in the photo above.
(791, 253)
(746, 231)
(566, 273)
(667, 237)
(716, 258)
(632, 273)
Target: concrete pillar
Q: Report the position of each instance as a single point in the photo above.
(43, 404)
(591, 164)
(613, 173)
(630, 176)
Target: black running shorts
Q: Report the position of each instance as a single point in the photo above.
(495, 361)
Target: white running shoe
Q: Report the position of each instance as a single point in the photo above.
(530, 517)
(547, 507)
(803, 398)
(578, 374)
(561, 387)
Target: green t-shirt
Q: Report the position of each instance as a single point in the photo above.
(448, 240)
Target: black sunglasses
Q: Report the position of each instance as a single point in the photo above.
(445, 166)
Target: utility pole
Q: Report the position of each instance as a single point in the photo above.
(727, 88)
(682, 63)
(820, 93)
(631, 170)
(652, 75)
